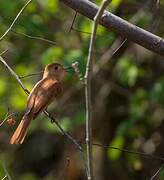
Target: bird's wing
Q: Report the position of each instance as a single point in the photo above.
(42, 95)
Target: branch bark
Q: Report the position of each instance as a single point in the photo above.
(87, 80)
(124, 28)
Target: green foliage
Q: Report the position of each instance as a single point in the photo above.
(2, 172)
(29, 176)
(135, 162)
(79, 118)
(127, 71)
(139, 104)
(2, 111)
(75, 55)
(144, 21)
(11, 7)
(3, 86)
(66, 123)
(156, 93)
(161, 175)
(85, 26)
(104, 39)
(49, 5)
(50, 54)
(135, 76)
(137, 111)
(115, 4)
(118, 142)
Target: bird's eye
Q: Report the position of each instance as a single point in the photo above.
(56, 67)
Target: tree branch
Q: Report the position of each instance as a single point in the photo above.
(6, 172)
(87, 79)
(6, 118)
(157, 172)
(35, 37)
(124, 28)
(53, 120)
(45, 112)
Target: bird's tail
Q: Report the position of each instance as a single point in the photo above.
(21, 131)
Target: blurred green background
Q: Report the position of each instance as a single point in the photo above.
(127, 93)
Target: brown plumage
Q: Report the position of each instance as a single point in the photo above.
(42, 94)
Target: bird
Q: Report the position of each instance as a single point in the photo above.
(42, 94)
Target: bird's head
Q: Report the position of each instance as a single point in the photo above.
(55, 70)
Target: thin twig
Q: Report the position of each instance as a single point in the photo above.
(79, 147)
(73, 21)
(45, 112)
(118, 43)
(4, 177)
(131, 152)
(6, 118)
(15, 75)
(3, 52)
(6, 171)
(157, 172)
(88, 76)
(67, 135)
(83, 32)
(14, 21)
(33, 74)
(35, 37)
(53, 120)
(113, 22)
(115, 47)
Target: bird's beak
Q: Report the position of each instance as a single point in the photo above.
(68, 69)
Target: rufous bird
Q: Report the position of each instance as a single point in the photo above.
(42, 94)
